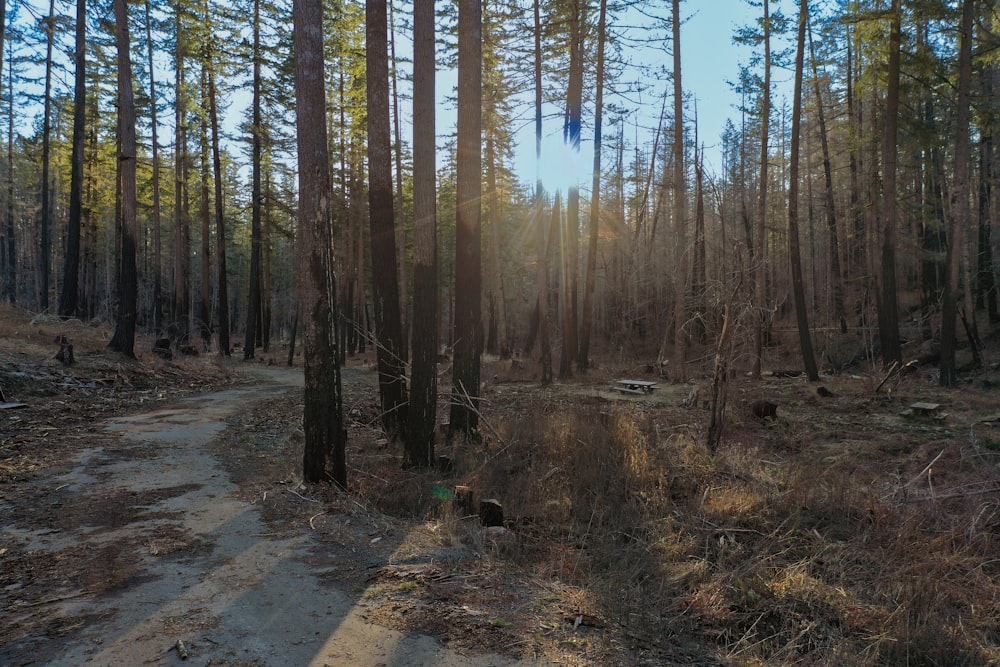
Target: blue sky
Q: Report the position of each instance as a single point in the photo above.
(709, 61)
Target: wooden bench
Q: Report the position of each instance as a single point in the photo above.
(634, 386)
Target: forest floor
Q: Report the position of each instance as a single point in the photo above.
(152, 507)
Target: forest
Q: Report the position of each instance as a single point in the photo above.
(864, 203)
(331, 182)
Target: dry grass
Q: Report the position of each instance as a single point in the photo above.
(822, 538)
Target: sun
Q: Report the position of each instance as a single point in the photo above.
(561, 167)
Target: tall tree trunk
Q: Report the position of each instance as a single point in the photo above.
(397, 149)
(986, 285)
(987, 294)
(69, 297)
(6, 234)
(45, 215)
(836, 279)
(88, 296)
(385, 281)
(322, 420)
(540, 235)
(798, 291)
(680, 340)
(423, 389)
(856, 249)
(760, 243)
(256, 129)
(357, 201)
(571, 134)
(498, 340)
(699, 277)
(182, 231)
(888, 315)
(220, 219)
(959, 219)
(10, 279)
(157, 223)
(265, 283)
(467, 337)
(128, 283)
(205, 305)
(587, 317)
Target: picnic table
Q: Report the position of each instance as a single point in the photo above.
(928, 410)
(634, 386)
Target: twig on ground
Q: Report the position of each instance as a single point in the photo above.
(296, 493)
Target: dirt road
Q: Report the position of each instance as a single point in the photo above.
(165, 550)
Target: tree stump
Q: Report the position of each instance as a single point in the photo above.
(490, 512)
(463, 500)
(764, 409)
(65, 353)
(161, 348)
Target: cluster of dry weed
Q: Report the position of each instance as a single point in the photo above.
(772, 550)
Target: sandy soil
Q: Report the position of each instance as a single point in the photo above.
(140, 549)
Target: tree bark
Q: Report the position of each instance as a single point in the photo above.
(256, 129)
(464, 417)
(542, 277)
(836, 277)
(128, 284)
(182, 233)
(587, 317)
(10, 275)
(385, 281)
(760, 243)
(798, 291)
(959, 219)
(220, 218)
(157, 222)
(423, 389)
(400, 226)
(571, 134)
(45, 208)
(888, 315)
(68, 297)
(205, 292)
(325, 438)
(680, 341)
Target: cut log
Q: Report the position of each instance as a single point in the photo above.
(490, 512)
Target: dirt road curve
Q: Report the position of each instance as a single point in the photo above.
(202, 567)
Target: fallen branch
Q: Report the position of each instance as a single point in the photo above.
(892, 371)
(926, 468)
(311, 500)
